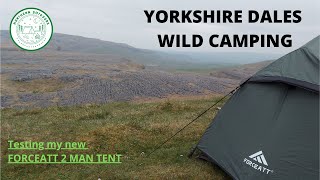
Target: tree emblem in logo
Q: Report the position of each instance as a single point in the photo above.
(31, 29)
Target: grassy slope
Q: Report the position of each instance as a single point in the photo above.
(125, 128)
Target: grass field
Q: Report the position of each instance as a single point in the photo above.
(132, 129)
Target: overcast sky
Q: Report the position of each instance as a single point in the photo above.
(124, 20)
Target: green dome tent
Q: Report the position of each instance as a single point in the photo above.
(269, 129)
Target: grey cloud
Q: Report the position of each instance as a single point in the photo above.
(124, 20)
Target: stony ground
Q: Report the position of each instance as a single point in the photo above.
(63, 79)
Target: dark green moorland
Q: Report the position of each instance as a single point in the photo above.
(129, 128)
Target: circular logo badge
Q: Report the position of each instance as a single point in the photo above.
(31, 29)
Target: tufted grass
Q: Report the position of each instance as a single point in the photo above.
(132, 129)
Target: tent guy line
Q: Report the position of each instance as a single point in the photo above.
(201, 114)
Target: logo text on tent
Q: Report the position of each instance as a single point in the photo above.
(258, 156)
(261, 164)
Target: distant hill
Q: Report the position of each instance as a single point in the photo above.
(232, 57)
(150, 58)
(241, 72)
(70, 43)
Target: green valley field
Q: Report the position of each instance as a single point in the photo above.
(132, 129)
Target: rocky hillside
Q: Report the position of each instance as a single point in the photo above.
(240, 72)
(75, 70)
